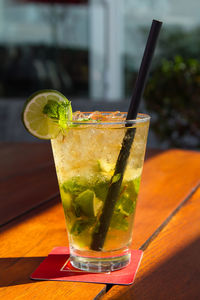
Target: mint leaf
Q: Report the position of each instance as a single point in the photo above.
(127, 205)
(57, 111)
(63, 113)
(77, 210)
(116, 178)
(132, 187)
(128, 197)
(79, 226)
(137, 184)
(51, 109)
(75, 186)
(119, 221)
(101, 189)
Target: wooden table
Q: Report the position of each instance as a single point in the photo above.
(167, 227)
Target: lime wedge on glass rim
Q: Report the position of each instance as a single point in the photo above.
(46, 113)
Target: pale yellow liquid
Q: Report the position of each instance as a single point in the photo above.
(90, 153)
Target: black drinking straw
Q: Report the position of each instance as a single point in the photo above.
(114, 187)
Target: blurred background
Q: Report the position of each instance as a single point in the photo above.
(91, 51)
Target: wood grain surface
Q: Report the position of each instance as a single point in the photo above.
(168, 178)
(168, 181)
(170, 268)
(17, 158)
(27, 178)
(24, 244)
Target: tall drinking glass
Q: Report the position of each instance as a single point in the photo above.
(85, 159)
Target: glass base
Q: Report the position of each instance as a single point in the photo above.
(100, 262)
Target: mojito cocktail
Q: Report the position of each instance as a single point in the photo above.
(85, 158)
(99, 159)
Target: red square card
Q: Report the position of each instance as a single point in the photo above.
(57, 266)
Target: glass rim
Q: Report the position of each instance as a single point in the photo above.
(141, 118)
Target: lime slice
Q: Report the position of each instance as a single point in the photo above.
(66, 200)
(89, 203)
(36, 121)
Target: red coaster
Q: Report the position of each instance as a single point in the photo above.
(57, 266)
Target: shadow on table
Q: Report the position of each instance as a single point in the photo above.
(176, 278)
(16, 270)
(19, 211)
(151, 152)
(168, 279)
